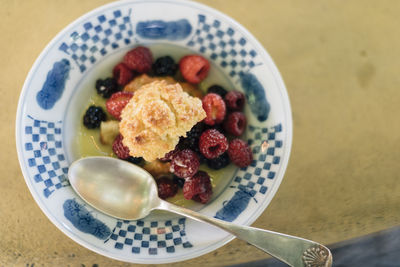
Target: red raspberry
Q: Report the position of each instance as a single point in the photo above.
(235, 123)
(215, 108)
(122, 74)
(194, 68)
(119, 149)
(169, 155)
(212, 143)
(116, 103)
(166, 187)
(139, 59)
(198, 188)
(240, 153)
(185, 163)
(235, 100)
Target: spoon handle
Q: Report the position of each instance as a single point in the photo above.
(294, 251)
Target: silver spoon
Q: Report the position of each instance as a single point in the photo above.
(126, 191)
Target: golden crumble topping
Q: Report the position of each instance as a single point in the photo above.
(156, 116)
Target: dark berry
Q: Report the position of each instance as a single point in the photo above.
(119, 149)
(191, 141)
(240, 153)
(106, 87)
(178, 181)
(165, 66)
(139, 59)
(194, 68)
(235, 123)
(217, 89)
(212, 143)
(122, 74)
(135, 160)
(235, 100)
(219, 162)
(215, 108)
(166, 187)
(185, 163)
(202, 159)
(198, 187)
(93, 117)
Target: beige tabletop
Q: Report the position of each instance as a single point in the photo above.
(340, 62)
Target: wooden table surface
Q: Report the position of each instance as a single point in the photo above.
(340, 62)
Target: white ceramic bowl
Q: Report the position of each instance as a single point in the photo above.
(55, 88)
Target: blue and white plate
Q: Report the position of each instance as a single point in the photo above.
(48, 115)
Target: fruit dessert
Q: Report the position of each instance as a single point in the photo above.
(156, 116)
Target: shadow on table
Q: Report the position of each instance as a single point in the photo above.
(379, 249)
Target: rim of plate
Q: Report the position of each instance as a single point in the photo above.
(287, 115)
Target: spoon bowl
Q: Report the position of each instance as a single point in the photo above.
(126, 191)
(115, 187)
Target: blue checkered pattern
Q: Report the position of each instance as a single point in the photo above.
(252, 178)
(150, 236)
(224, 45)
(44, 154)
(99, 36)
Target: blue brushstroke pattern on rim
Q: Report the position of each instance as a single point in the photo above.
(81, 218)
(232, 209)
(255, 95)
(252, 181)
(54, 85)
(159, 29)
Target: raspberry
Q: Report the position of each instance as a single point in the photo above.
(212, 143)
(116, 103)
(122, 74)
(178, 181)
(165, 66)
(194, 68)
(191, 141)
(235, 123)
(215, 108)
(106, 87)
(139, 59)
(219, 162)
(166, 187)
(240, 153)
(119, 149)
(216, 89)
(218, 127)
(235, 100)
(93, 117)
(198, 188)
(169, 155)
(185, 163)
